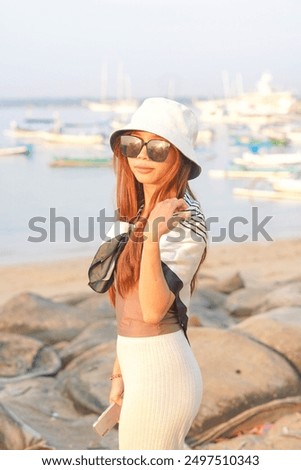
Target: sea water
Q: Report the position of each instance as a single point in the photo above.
(65, 202)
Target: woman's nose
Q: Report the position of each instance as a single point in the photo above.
(143, 153)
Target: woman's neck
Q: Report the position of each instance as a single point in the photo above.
(149, 190)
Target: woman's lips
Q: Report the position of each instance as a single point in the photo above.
(143, 169)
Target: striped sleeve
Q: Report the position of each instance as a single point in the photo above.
(183, 247)
(181, 252)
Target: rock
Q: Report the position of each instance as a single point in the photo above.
(286, 296)
(22, 357)
(98, 304)
(72, 298)
(38, 408)
(284, 434)
(203, 316)
(208, 298)
(98, 333)
(16, 435)
(194, 320)
(280, 329)
(230, 283)
(207, 309)
(86, 378)
(246, 301)
(48, 321)
(238, 374)
(245, 422)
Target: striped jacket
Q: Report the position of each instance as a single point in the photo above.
(181, 252)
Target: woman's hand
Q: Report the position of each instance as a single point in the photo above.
(161, 219)
(117, 389)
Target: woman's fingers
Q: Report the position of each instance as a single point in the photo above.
(116, 399)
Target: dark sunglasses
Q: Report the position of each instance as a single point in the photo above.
(131, 146)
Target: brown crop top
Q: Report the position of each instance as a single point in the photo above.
(130, 320)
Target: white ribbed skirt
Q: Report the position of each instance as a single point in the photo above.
(162, 391)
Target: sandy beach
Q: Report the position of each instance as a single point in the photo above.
(270, 261)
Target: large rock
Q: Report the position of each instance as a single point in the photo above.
(256, 419)
(37, 414)
(238, 374)
(22, 357)
(98, 304)
(227, 283)
(207, 308)
(283, 296)
(230, 283)
(17, 435)
(246, 301)
(98, 333)
(283, 434)
(280, 329)
(48, 321)
(86, 378)
(203, 316)
(207, 297)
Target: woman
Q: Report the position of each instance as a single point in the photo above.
(156, 378)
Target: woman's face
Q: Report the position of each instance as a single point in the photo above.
(146, 170)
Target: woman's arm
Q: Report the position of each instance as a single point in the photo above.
(154, 294)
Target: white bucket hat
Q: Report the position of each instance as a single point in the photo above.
(170, 120)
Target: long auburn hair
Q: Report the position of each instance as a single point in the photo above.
(129, 198)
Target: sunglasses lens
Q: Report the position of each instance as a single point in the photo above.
(158, 150)
(130, 146)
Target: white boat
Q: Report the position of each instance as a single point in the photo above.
(295, 135)
(67, 138)
(268, 159)
(19, 150)
(262, 106)
(124, 103)
(248, 174)
(277, 188)
(125, 106)
(205, 136)
(288, 185)
(33, 128)
(267, 194)
(22, 132)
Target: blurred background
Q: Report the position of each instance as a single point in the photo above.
(71, 72)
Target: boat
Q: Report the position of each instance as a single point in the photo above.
(277, 188)
(239, 173)
(204, 137)
(295, 135)
(268, 160)
(124, 106)
(33, 128)
(256, 144)
(18, 132)
(18, 150)
(80, 162)
(287, 185)
(264, 105)
(267, 194)
(68, 138)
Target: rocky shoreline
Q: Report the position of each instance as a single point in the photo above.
(58, 346)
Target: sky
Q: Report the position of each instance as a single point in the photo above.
(139, 48)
